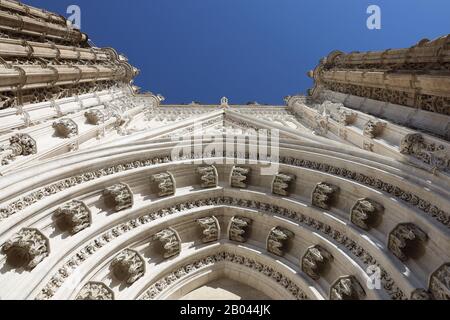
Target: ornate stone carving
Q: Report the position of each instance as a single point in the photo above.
(26, 249)
(95, 291)
(95, 116)
(170, 241)
(315, 260)
(277, 238)
(346, 118)
(421, 294)
(128, 266)
(209, 176)
(22, 144)
(281, 183)
(404, 239)
(121, 195)
(440, 283)
(166, 183)
(211, 229)
(321, 124)
(373, 128)
(66, 128)
(347, 288)
(323, 195)
(239, 176)
(76, 215)
(368, 146)
(238, 228)
(364, 212)
(179, 274)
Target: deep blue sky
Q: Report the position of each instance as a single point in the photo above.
(247, 50)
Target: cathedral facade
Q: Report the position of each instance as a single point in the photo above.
(108, 193)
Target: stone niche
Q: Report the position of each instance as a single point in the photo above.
(118, 196)
(407, 241)
(239, 177)
(95, 291)
(26, 249)
(347, 288)
(170, 242)
(238, 229)
(210, 229)
(282, 183)
(278, 239)
(73, 216)
(128, 266)
(165, 183)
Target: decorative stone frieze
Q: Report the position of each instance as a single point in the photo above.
(170, 242)
(440, 283)
(179, 274)
(281, 183)
(95, 116)
(75, 214)
(365, 212)
(66, 128)
(237, 230)
(324, 195)
(208, 176)
(95, 291)
(277, 240)
(166, 183)
(372, 128)
(211, 229)
(239, 176)
(347, 288)
(120, 195)
(404, 240)
(26, 249)
(128, 266)
(315, 260)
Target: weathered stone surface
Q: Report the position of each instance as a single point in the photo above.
(323, 195)
(281, 183)
(364, 212)
(315, 260)
(277, 239)
(209, 176)
(237, 231)
(238, 177)
(95, 291)
(405, 239)
(128, 266)
(76, 215)
(170, 242)
(211, 229)
(166, 183)
(347, 288)
(440, 283)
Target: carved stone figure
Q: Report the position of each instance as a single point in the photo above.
(26, 249)
(95, 116)
(347, 288)
(238, 177)
(315, 260)
(170, 242)
(373, 128)
(76, 215)
(209, 176)
(166, 183)
(281, 183)
(364, 212)
(323, 195)
(95, 291)
(128, 266)
(440, 283)
(404, 239)
(121, 195)
(66, 128)
(211, 229)
(238, 228)
(346, 117)
(277, 238)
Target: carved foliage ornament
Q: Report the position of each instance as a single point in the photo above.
(66, 128)
(440, 283)
(128, 266)
(372, 128)
(281, 183)
(170, 242)
(238, 177)
(209, 176)
(211, 229)
(19, 145)
(315, 260)
(238, 228)
(404, 239)
(26, 249)
(346, 117)
(347, 288)
(121, 195)
(364, 212)
(323, 195)
(95, 291)
(76, 215)
(277, 238)
(166, 183)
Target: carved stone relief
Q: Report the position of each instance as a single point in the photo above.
(281, 183)
(405, 239)
(238, 177)
(323, 195)
(75, 214)
(209, 176)
(170, 242)
(96, 116)
(121, 196)
(347, 288)
(365, 212)
(277, 239)
(238, 228)
(95, 291)
(66, 128)
(128, 266)
(211, 229)
(166, 183)
(440, 283)
(315, 260)
(372, 128)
